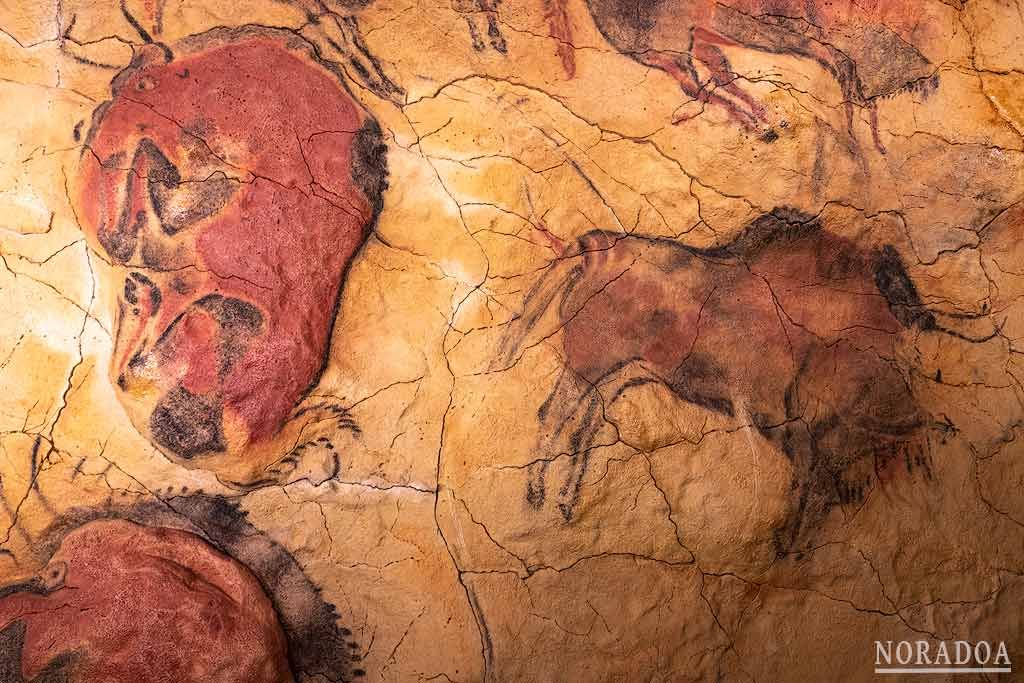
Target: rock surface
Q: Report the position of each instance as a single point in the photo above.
(514, 340)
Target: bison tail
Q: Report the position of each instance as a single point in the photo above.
(557, 279)
(997, 330)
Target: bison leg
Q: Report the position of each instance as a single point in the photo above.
(553, 415)
(314, 429)
(598, 400)
(817, 477)
(684, 72)
(579, 448)
(873, 112)
(857, 405)
(482, 18)
(814, 495)
(570, 402)
(707, 52)
(573, 408)
(536, 476)
(342, 33)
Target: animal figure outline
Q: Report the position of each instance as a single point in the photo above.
(850, 41)
(148, 591)
(233, 218)
(788, 328)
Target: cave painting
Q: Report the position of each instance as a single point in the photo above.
(229, 183)
(482, 21)
(123, 599)
(788, 328)
(853, 42)
(334, 25)
(115, 594)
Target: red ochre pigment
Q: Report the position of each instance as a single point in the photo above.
(865, 47)
(230, 187)
(789, 328)
(124, 603)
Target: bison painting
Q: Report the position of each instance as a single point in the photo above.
(852, 42)
(229, 184)
(789, 328)
(145, 592)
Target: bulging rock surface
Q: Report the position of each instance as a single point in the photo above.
(230, 212)
(531, 340)
(121, 602)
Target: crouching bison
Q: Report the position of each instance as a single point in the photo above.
(229, 184)
(124, 603)
(147, 592)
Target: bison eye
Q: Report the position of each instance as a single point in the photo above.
(54, 576)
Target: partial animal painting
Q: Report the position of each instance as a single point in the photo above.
(853, 43)
(146, 592)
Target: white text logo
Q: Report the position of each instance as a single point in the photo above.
(932, 657)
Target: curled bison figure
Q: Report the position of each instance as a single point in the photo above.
(229, 183)
(148, 592)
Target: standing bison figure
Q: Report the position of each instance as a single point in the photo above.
(786, 328)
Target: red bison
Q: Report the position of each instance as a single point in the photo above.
(789, 328)
(851, 41)
(190, 593)
(119, 602)
(230, 184)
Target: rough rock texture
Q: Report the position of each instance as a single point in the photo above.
(512, 340)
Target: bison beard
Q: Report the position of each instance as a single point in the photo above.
(789, 328)
(229, 187)
(119, 602)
